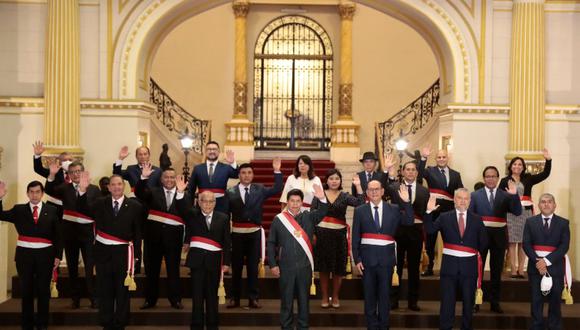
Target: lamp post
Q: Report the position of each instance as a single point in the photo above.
(401, 146)
(186, 141)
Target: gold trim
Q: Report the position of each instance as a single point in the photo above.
(241, 8)
(346, 10)
(110, 50)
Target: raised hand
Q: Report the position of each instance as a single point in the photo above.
(277, 164)
(85, 181)
(147, 170)
(426, 151)
(124, 152)
(432, 204)
(180, 183)
(511, 188)
(389, 162)
(38, 148)
(53, 168)
(2, 189)
(404, 193)
(318, 191)
(230, 156)
(546, 154)
(356, 180)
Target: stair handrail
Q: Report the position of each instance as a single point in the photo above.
(176, 119)
(406, 122)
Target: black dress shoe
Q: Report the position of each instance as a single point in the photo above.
(147, 305)
(233, 303)
(428, 272)
(414, 307)
(76, 304)
(496, 308)
(254, 304)
(475, 308)
(394, 306)
(177, 305)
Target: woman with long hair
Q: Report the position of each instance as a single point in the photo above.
(304, 179)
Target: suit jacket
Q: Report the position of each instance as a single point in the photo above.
(420, 201)
(291, 255)
(558, 236)
(219, 232)
(47, 227)
(529, 180)
(251, 210)
(126, 225)
(474, 236)
(371, 255)
(436, 180)
(200, 179)
(502, 204)
(67, 193)
(364, 182)
(133, 175)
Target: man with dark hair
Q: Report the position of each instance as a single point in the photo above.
(492, 205)
(291, 233)
(245, 202)
(38, 251)
(133, 172)
(213, 175)
(117, 226)
(77, 229)
(104, 186)
(162, 237)
(64, 160)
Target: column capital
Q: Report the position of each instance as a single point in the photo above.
(241, 8)
(346, 10)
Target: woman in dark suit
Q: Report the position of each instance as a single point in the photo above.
(524, 182)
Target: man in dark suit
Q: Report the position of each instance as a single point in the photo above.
(373, 250)
(117, 226)
(78, 234)
(133, 172)
(409, 238)
(370, 171)
(546, 242)
(213, 175)
(64, 160)
(245, 202)
(464, 239)
(38, 251)
(291, 234)
(208, 240)
(442, 182)
(492, 205)
(163, 235)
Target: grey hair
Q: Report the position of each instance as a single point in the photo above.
(548, 195)
(459, 190)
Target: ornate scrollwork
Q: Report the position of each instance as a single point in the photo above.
(409, 120)
(176, 119)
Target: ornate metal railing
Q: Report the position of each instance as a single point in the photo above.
(178, 120)
(407, 121)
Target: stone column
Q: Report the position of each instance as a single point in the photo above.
(61, 86)
(240, 130)
(527, 91)
(345, 132)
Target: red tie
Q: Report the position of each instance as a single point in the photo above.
(461, 225)
(35, 214)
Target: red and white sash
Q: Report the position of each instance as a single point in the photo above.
(166, 218)
(494, 222)
(298, 233)
(107, 239)
(53, 200)
(418, 219)
(77, 217)
(217, 192)
(441, 194)
(463, 251)
(245, 227)
(332, 223)
(132, 193)
(376, 239)
(31, 242)
(544, 250)
(205, 243)
(526, 201)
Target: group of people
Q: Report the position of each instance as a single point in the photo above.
(395, 218)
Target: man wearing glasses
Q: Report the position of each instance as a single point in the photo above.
(492, 205)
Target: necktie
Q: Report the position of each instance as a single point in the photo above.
(76, 186)
(491, 198)
(461, 225)
(546, 224)
(246, 194)
(210, 172)
(377, 222)
(35, 214)
(369, 177)
(410, 190)
(444, 176)
(168, 199)
(115, 208)
(208, 221)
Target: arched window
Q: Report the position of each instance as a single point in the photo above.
(293, 85)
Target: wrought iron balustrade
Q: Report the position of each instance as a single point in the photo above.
(176, 119)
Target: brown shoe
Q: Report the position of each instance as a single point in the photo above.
(233, 303)
(254, 304)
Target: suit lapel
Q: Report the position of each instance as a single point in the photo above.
(384, 217)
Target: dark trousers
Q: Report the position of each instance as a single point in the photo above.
(245, 246)
(554, 301)
(72, 247)
(430, 242)
(204, 285)
(162, 241)
(449, 285)
(497, 245)
(34, 268)
(377, 283)
(294, 282)
(412, 249)
(114, 300)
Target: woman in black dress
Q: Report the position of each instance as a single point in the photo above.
(331, 252)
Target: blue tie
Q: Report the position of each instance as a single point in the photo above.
(377, 222)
